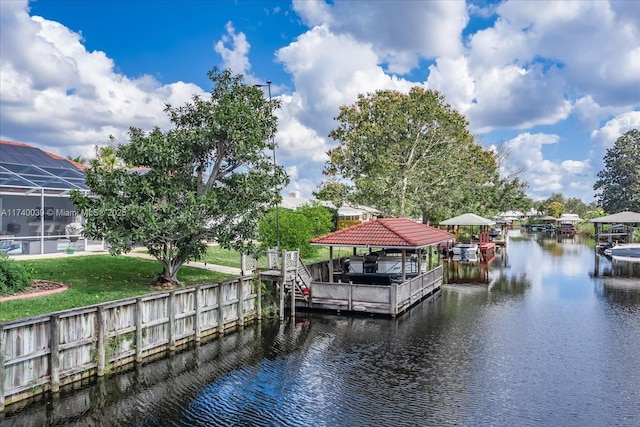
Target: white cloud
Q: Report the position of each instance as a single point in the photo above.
(48, 73)
(292, 171)
(313, 12)
(568, 177)
(400, 33)
(484, 11)
(540, 56)
(451, 76)
(574, 64)
(234, 58)
(597, 49)
(575, 167)
(614, 128)
(330, 70)
(296, 141)
(589, 112)
(515, 98)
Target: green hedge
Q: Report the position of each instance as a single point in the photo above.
(14, 277)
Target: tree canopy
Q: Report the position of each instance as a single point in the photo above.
(618, 184)
(209, 177)
(412, 155)
(557, 204)
(297, 227)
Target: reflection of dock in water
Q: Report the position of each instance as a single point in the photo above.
(466, 272)
(459, 271)
(616, 267)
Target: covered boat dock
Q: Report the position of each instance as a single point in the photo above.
(627, 222)
(395, 271)
(486, 247)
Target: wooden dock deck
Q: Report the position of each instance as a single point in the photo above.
(389, 300)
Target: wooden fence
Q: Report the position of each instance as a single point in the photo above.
(116, 402)
(46, 352)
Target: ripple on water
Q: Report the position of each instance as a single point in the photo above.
(558, 351)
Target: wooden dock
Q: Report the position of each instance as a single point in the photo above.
(389, 300)
(302, 287)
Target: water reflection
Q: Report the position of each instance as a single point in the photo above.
(551, 339)
(616, 267)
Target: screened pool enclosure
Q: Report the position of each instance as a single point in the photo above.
(35, 207)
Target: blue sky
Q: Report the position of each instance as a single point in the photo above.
(556, 82)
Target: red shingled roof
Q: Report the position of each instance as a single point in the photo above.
(401, 233)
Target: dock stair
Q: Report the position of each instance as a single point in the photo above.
(297, 277)
(287, 268)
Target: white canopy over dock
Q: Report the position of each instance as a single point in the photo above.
(569, 218)
(468, 219)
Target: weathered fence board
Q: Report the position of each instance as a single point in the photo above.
(186, 370)
(45, 352)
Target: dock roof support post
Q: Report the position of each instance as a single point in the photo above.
(330, 264)
(393, 299)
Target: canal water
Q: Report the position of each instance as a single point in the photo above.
(551, 339)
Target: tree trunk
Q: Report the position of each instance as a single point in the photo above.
(170, 268)
(426, 218)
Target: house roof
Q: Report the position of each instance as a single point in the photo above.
(294, 200)
(397, 233)
(626, 217)
(25, 169)
(346, 210)
(468, 219)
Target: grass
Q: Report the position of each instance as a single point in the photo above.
(95, 279)
(218, 256)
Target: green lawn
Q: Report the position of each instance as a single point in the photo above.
(94, 279)
(217, 256)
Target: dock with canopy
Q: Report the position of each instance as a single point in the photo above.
(394, 272)
(629, 221)
(471, 220)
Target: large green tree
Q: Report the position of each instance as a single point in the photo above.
(296, 227)
(409, 155)
(208, 177)
(618, 184)
(332, 191)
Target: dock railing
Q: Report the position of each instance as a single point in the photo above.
(391, 299)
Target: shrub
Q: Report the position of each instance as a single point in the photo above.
(296, 228)
(14, 277)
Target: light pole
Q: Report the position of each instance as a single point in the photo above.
(268, 85)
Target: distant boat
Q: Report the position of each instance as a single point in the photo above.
(465, 252)
(628, 250)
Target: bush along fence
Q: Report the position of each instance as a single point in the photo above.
(47, 352)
